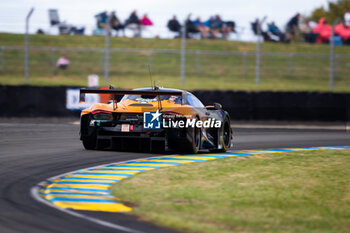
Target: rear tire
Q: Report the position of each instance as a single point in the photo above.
(226, 138)
(193, 141)
(196, 140)
(89, 143)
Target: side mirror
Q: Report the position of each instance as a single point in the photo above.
(217, 106)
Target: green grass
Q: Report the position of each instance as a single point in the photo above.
(129, 70)
(119, 42)
(290, 192)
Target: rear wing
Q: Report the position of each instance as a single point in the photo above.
(114, 92)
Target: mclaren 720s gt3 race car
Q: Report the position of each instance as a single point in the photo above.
(155, 118)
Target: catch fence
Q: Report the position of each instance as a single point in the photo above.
(299, 68)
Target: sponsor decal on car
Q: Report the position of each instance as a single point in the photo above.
(151, 120)
(187, 123)
(154, 120)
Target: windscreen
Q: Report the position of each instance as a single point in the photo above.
(151, 98)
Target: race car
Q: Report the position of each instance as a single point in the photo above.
(150, 119)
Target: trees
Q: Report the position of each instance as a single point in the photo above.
(335, 9)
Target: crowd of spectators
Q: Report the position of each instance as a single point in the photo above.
(274, 33)
(321, 32)
(215, 27)
(310, 31)
(212, 28)
(133, 23)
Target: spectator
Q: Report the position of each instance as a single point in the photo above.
(324, 30)
(230, 27)
(116, 23)
(145, 21)
(257, 26)
(276, 32)
(201, 27)
(190, 27)
(347, 18)
(146, 24)
(214, 26)
(344, 32)
(306, 29)
(174, 26)
(224, 28)
(134, 23)
(62, 62)
(292, 26)
(101, 19)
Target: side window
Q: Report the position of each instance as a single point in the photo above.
(189, 99)
(193, 101)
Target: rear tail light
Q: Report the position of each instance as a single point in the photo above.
(102, 115)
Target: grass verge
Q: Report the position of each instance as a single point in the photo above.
(192, 83)
(290, 192)
(203, 71)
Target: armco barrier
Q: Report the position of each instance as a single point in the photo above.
(33, 101)
(268, 105)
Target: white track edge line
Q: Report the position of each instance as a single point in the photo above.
(34, 193)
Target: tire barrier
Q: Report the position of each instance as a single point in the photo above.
(38, 101)
(288, 106)
(34, 101)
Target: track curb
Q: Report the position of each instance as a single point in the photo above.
(88, 188)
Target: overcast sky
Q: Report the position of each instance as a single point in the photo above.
(81, 12)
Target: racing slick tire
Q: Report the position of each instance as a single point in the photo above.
(89, 143)
(226, 134)
(194, 142)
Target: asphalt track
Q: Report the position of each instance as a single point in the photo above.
(31, 152)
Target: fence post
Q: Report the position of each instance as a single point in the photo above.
(197, 61)
(331, 62)
(244, 64)
(258, 60)
(53, 59)
(258, 52)
(183, 54)
(107, 49)
(336, 59)
(101, 61)
(150, 59)
(331, 57)
(291, 56)
(26, 47)
(2, 61)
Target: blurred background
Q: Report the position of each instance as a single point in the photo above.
(237, 45)
(81, 13)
